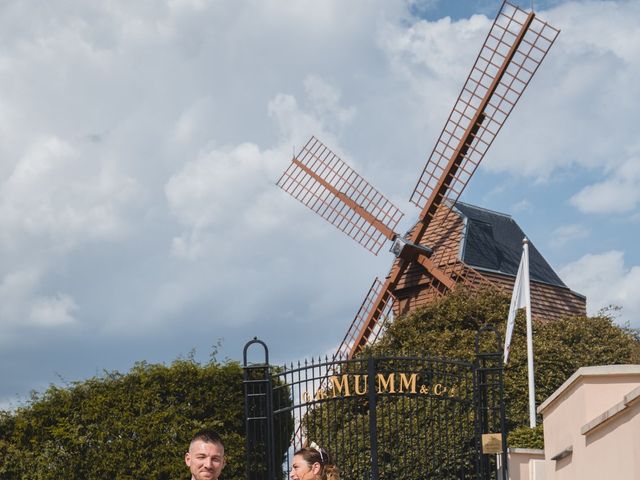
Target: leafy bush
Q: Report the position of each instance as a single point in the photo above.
(447, 328)
(526, 437)
(125, 426)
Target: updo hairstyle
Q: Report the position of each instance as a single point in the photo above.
(311, 455)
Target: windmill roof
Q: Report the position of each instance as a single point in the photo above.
(492, 241)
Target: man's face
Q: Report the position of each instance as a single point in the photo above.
(205, 460)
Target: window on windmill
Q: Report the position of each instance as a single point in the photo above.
(482, 228)
(481, 248)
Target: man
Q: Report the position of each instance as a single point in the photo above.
(205, 457)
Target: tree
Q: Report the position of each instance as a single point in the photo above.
(447, 328)
(125, 426)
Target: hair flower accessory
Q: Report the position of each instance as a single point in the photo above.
(317, 448)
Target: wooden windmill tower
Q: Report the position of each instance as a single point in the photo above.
(428, 262)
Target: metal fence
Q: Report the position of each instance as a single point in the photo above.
(380, 418)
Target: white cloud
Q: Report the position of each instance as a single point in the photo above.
(434, 57)
(53, 311)
(21, 308)
(192, 121)
(584, 85)
(138, 135)
(233, 187)
(56, 192)
(206, 190)
(215, 191)
(619, 193)
(324, 116)
(582, 81)
(325, 100)
(606, 280)
(568, 233)
(523, 205)
(16, 289)
(294, 124)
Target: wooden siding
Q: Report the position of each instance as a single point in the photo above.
(416, 288)
(548, 302)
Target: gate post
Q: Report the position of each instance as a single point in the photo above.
(373, 416)
(489, 393)
(258, 414)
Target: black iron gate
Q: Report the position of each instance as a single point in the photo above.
(381, 418)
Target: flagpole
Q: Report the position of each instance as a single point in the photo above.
(527, 291)
(521, 298)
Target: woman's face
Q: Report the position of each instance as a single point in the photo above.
(301, 470)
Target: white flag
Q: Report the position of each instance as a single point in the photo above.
(520, 297)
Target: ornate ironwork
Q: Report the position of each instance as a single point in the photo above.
(381, 418)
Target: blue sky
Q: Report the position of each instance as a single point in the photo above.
(141, 143)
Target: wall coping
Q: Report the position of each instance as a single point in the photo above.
(619, 407)
(594, 371)
(526, 451)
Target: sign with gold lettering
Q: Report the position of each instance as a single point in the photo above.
(491, 443)
(347, 385)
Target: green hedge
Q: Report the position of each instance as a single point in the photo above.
(125, 426)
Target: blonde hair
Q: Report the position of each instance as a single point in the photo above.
(311, 455)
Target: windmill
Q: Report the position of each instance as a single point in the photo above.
(513, 50)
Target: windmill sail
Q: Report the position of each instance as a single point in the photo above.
(512, 52)
(362, 331)
(319, 179)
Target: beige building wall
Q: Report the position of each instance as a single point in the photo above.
(592, 425)
(526, 464)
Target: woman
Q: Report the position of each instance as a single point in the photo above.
(313, 463)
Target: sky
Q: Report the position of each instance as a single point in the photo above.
(140, 143)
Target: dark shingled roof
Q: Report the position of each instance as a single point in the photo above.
(493, 241)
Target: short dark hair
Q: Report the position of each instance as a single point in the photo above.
(208, 436)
